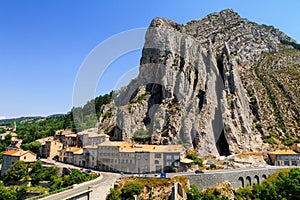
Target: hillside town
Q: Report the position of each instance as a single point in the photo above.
(93, 150)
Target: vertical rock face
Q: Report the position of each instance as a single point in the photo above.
(189, 89)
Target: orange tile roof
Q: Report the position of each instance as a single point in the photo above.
(11, 152)
(72, 149)
(16, 152)
(78, 152)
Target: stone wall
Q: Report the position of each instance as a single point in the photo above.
(237, 179)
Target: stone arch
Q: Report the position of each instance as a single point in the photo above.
(263, 177)
(241, 181)
(248, 181)
(256, 179)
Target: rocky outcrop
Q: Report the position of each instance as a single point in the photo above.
(190, 89)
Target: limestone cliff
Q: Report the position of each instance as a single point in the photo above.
(191, 85)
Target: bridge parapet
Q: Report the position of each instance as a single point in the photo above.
(237, 178)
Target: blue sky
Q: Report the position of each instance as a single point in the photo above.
(44, 43)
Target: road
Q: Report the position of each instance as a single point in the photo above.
(100, 187)
(170, 175)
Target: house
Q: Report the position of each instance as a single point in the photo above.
(66, 137)
(90, 154)
(50, 147)
(284, 158)
(67, 155)
(42, 152)
(130, 158)
(15, 143)
(90, 137)
(78, 157)
(10, 157)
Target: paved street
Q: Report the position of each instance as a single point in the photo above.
(101, 189)
(100, 186)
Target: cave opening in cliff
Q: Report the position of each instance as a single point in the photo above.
(222, 145)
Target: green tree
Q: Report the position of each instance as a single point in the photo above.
(114, 194)
(193, 193)
(34, 146)
(15, 172)
(284, 186)
(8, 193)
(56, 183)
(130, 189)
(196, 160)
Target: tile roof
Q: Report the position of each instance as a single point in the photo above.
(71, 135)
(11, 152)
(282, 152)
(127, 147)
(15, 152)
(91, 147)
(72, 149)
(78, 152)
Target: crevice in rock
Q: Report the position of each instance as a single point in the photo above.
(222, 145)
(195, 79)
(157, 94)
(220, 67)
(202, 99)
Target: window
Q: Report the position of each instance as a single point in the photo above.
(286, 163)
(158, 168)
(176, 164)
(169, 163)
(176, 157)
(24, 157)
(157, 155)
(169, 157)
(156, 161)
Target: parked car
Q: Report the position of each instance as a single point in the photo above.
(210, 163)
(85, 170)
(163, 175)
(199, 172)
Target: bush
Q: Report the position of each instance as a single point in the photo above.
(284, 186)
(196, 160)
(114, 194)
(131, 189)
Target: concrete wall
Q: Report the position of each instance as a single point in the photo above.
(236, 178)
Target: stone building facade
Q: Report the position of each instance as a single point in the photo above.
(10, 157)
